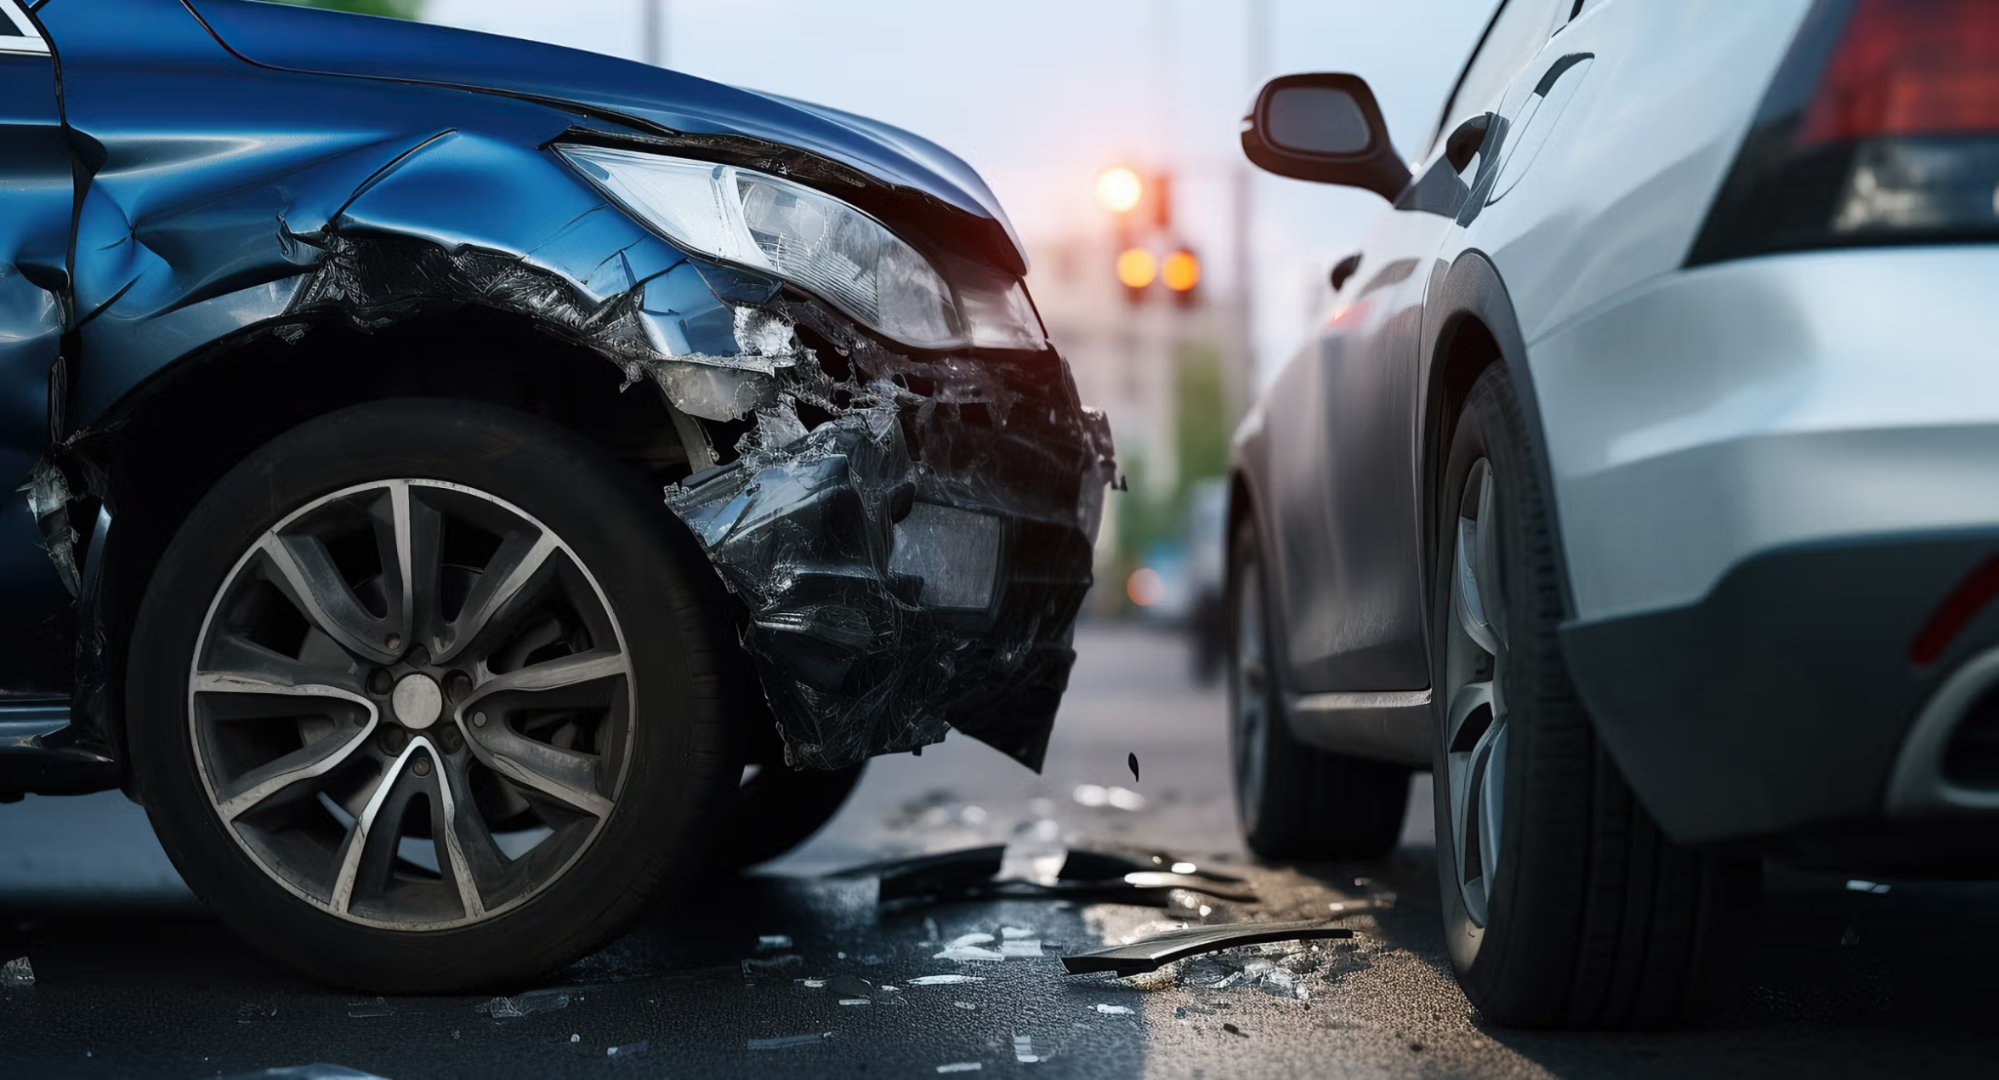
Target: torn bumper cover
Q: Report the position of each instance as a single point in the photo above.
(912, 563)
(912, 536)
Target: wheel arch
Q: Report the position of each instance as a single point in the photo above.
(1469, 326)
(167, 443)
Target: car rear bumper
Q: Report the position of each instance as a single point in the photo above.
(1780, 710)
(1770, 476)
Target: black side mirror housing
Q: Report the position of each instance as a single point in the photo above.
(1325, 128)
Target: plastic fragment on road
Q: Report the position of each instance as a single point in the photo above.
(966, 1005)
(1859, 885)
(925, 876)
(961, 1066)
(1023, 1050)
(788, 1042)
(1158, 950)
(773, 942)
(528, 1004)
(944, 980)
(17, 972)
(1111, 862)
(1096, 796)
(1114, 1010)
(754, 964)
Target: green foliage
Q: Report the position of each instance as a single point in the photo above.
(1203, 419)
(394, 9)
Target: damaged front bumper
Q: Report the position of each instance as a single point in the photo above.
(917, 559)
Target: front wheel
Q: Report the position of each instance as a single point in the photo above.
(428, 695)
(1564, 905)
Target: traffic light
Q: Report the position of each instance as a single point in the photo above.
(1136, 271)
(1181, 271)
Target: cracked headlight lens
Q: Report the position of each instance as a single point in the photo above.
(807, 238)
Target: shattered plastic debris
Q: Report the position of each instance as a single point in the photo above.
(945, 874)
(773, 942)
(943, 980)
(754, 965)
(1152, 953)
(788, 1042)
(528, 1004)
(1023, 1050)
(1109, 862)
(961, 1066)
(17, 972)
(1096, 796)
(1859, 885)
(49, 496)
(1114, 1010)
(1132, 760)
(969, 947)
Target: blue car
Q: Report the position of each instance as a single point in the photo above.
(449, 466)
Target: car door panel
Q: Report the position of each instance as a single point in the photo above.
(34, 246)
(1343, 460)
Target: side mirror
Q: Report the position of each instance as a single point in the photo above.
(1325, 128)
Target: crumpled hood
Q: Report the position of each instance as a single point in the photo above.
(330, 43)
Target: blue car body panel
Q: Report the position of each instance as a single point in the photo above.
(217, 172)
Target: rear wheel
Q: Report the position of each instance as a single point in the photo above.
(428, 695)
(1293, 801)
(1564, 905)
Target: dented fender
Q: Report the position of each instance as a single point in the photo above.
(910, 535)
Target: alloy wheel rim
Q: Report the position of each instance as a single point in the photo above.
(1475, 720)
(1251, 711)
(411, 705)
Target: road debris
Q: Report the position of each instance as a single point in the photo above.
(17, 972)
(1132, 760)
(944, 980)
(773, 942)
(753, 965)
(961, 1066)
(627, 1050)
(1023, 1050)
(1110, 862)
(528, 1004)
(787, 1042)
(1117, 798)
(1154, 952)
(1114, 1010)
(1863, 886)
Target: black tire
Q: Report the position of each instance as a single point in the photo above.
(780, 808)
(1294, 801)
(1594, 919)
(685, 755)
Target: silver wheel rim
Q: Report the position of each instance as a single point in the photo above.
(411, 705)
(1475, 721)
(1249, 688)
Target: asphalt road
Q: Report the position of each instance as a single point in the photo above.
(133, 979)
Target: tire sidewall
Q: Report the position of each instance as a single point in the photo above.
(667, 796)
(1477, 952)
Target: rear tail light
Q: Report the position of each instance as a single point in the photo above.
(1881, 127)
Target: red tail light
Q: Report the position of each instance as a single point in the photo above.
(1910, 67)
(1881, 127)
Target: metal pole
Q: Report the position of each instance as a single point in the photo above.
(653, 31)
(1256, 57)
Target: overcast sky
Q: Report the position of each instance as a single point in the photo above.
(1039, 95)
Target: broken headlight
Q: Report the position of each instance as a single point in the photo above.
(814, 241)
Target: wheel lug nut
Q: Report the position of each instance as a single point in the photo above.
(423, 766)
(380, 681)
(395, 642)
(394, 739)
(418, 657)
(450, 740)
(459, 686)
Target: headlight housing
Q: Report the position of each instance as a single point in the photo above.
(814, 241)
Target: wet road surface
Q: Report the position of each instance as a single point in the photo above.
(792, 972)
